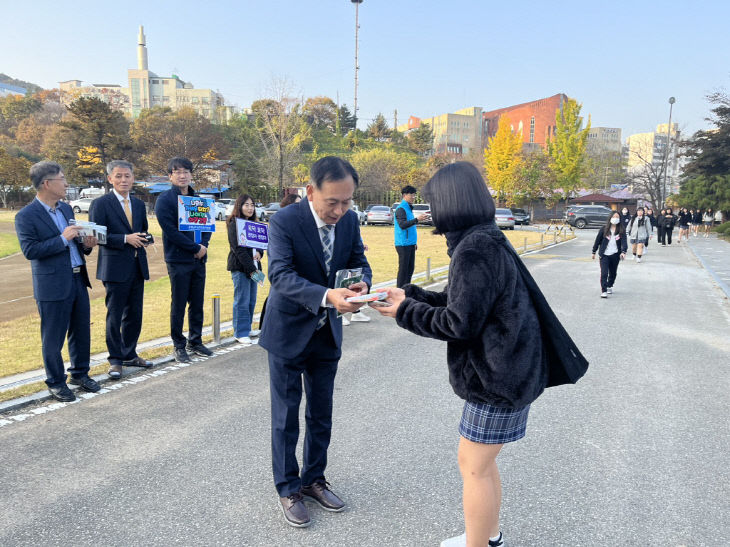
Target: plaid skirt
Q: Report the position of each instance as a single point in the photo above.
(487, 424)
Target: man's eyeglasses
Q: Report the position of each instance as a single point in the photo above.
(57, 178)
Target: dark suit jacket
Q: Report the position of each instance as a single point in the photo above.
(50, 260)
(180, 247)
(117, 259)
(298, 277)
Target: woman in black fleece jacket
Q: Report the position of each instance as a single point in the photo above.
(495, 354)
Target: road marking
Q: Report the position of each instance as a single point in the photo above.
(17, 299)
(109, 388)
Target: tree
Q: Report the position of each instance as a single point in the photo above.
(13, 175)
(503, 160)
(707, 173)
(160, 133)
(93, 124)
(346, 120)
(382, 170)
(420, 139)
(603, 169)
(378, 129)
(535, 180)
(320, 113)
(567, 150)
(15, 108)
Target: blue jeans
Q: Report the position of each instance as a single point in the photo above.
(244, 302)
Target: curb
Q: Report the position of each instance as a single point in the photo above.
(723, 286)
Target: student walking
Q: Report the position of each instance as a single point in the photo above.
(660, 226)
(243, 263)
(638, 231)
(684, 220)
(707, 220)
(668, 225)
(611, 246)
(696, 220)
(625, 217)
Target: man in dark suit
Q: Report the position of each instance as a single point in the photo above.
(185, 261)
(122, 266)
(308, 243)
(60, 281)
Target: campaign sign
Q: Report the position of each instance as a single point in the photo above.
(252, 234)
(195, 214)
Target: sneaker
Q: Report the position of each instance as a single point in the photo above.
(638, 259)
(604, 295)
(496, 542)
(254, 333)
(456, 541)
(199, 349)
(633, 257)
(609, 290)
(359, 316)
(246, 340)
(345, 321)
(181, 356)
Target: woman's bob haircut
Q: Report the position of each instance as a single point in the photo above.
(459, 198)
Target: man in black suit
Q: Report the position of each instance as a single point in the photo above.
(122, 265)
(185, 261)
(60, 281)
(309, 242)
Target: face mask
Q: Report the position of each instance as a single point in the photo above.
(615, 220)
(625, 211)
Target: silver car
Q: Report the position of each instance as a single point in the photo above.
(380, 214)
(81, 205)
(504, 219)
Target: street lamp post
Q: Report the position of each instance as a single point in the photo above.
(357, 66)
(672, 100)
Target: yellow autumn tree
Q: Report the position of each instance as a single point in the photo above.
(503, 160)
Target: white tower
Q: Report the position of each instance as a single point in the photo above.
(141, 50)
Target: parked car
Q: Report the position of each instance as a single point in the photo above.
(504, 219)
(582, 216)
(259, 210)
(521, 216)
(361, 216)
(380, 214)
(270, 210)
(81, 205)
(420, 209)
(222, 208)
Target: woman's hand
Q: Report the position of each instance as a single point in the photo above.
(394, 299)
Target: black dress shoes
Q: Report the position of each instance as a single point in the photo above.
(137, 362)
(199, 349)
(85, 383)
(320, 492)
(62, 393)
(295, 512)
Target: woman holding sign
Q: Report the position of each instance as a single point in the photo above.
(244, 263)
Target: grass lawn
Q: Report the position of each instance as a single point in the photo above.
(8, 244)
(21, 347)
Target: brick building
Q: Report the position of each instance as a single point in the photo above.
(536, 120)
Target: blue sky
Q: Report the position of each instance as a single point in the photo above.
(622, 60)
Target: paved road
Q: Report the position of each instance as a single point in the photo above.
(635, 453)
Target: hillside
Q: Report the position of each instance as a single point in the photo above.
(5, 79)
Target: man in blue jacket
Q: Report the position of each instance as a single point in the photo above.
(309, 242)
(185, 262)
(122, 265)
(60, 281)
(406, 235)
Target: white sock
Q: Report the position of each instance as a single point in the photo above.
(496, 539)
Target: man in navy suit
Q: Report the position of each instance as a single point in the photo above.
(308, 243)
(122, 265)
(60, 281)
(185, 261)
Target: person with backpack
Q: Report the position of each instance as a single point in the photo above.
(639, 231)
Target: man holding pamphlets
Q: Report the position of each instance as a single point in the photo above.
(309, 242)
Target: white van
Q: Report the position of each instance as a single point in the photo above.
(92, 193)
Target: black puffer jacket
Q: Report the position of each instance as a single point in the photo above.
(495, 352)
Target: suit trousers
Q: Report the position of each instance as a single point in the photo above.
(58, 318)
(317, 364)
(406, 263)
(124, 317)
(609, 267)
(187, 284)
